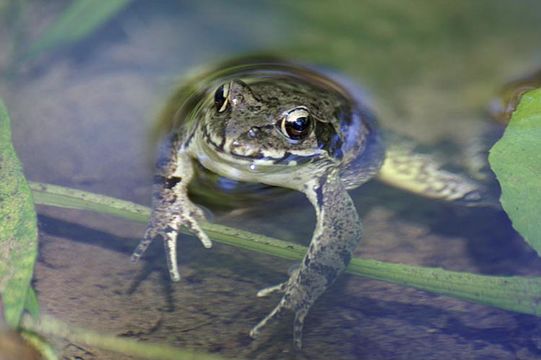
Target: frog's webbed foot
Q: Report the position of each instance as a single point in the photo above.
(280, 288)
(275, 314)
(165, 224)
(171, 209)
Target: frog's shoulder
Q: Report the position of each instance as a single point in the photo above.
(363, 148)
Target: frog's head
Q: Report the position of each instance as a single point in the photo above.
(276, 121)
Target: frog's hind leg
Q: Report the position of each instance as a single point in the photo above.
(406, 168)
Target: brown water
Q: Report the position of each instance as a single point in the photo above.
(82, 116)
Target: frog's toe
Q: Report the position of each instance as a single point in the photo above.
(191, 218)
(170, 243)
(254, 333)
(272, 289)
(200, 234)
(140, 250)
(143, 245)
(273, 315)
(298, 326)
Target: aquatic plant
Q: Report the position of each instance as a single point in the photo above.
(516, 161)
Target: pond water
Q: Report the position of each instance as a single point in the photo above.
(83, 115)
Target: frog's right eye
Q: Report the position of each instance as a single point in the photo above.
(221, 97)
(296, 123)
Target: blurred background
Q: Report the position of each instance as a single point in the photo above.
(83, 98)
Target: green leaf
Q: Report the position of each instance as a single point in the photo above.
(516, 293)
(79, 20)
(31, 303)
(18, 228)
(516, 160)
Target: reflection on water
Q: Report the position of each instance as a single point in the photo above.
(82, 118)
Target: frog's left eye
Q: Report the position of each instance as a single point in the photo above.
(296, 124)
(221, 97)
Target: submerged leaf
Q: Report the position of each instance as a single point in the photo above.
(18, 230)
(516, 160)
(80, 19)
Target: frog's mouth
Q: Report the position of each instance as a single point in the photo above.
(290, 170)
(245, 156)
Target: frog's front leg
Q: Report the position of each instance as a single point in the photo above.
(171, 207)
(337, 233)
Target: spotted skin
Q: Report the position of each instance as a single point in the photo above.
(337, 234)
(171, 206)
(280, 125)
(424, 174)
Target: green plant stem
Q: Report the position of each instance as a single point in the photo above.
(514, 293)
(50, 326)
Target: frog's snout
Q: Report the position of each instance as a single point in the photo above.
(243, 148)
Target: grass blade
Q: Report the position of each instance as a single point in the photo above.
(514, 293)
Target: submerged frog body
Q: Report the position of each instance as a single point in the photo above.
(282, 125)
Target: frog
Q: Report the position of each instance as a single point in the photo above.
(285, 125)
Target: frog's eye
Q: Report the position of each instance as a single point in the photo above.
(296, 123)
(221, 97)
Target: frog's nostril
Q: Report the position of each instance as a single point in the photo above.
(238, 147)
(242, 148)
(252, 133)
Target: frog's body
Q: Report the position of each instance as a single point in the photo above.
(287, 126)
